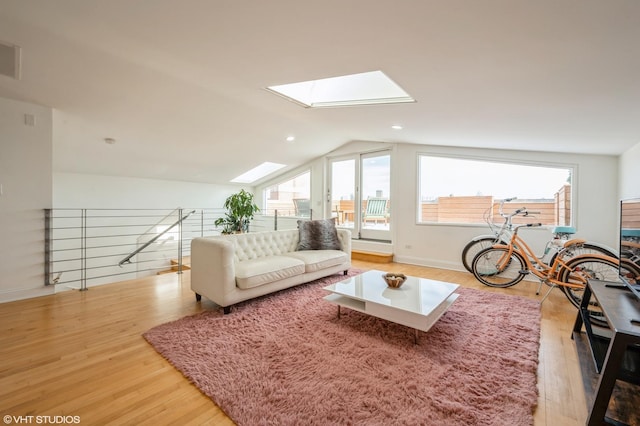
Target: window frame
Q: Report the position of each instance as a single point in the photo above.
(571, 167)
(358, 231)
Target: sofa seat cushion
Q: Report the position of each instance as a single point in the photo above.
(264, 270)
(316, 260)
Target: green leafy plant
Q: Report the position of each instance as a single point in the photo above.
(240, 210)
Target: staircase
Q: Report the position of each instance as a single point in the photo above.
(186, 265)
(371, 257)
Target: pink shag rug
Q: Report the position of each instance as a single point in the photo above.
(286, 359)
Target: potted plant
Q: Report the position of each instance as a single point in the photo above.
(240, 210)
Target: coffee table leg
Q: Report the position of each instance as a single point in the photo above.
(415, 336)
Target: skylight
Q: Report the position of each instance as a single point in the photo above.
(366, 88)
(258, 172)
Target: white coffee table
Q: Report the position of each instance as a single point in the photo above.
(418, 304)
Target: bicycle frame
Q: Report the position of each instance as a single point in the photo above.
(507, 229)
(507, 225)
(503, 233)
(545, 273)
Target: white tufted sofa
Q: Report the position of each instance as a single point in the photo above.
(228, 269)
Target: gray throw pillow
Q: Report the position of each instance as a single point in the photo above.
(318, 235)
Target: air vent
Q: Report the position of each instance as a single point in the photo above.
(10, 60)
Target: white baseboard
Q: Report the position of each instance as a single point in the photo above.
(20, 294)
(433, 263)
(372, 246)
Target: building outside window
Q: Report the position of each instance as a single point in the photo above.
(290, 197)
(466, 190)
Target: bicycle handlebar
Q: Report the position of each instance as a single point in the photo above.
(522, 210)
(507, 217)
(516, 212)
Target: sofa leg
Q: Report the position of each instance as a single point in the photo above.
(198, 297)
(226, 310)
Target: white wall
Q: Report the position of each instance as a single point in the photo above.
(630, 173)
(100, 192)
(25, 176)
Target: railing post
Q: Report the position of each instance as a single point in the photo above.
(275, 220)
(83, 250)
(180, 241)
(202, 222)
(47, 246)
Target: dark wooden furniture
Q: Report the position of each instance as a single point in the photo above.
(612, 364)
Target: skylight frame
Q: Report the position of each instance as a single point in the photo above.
(258, 172)
(342, 91)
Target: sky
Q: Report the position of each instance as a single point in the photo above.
(441, 176)
(376, 177)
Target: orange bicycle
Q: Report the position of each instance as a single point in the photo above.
(502, 234)
(504, 265)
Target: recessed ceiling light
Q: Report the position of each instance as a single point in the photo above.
(258, 172)
(365, 88)
(291, 138)
(396, 127)
(110, 141)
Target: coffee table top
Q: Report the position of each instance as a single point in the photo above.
(418, 295)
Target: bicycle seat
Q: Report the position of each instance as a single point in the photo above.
(630, 232)
(567, 230)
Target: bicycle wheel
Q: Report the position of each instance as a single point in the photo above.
(496, 268)
(630, 270)
(582, 268)
(474, 247)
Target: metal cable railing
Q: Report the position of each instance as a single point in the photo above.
(158, 235)
(86, 247)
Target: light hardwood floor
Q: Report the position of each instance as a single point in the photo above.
(82, 354)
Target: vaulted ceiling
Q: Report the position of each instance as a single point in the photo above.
(179, 84)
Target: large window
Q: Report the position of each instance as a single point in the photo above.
(290, 198)
(460, 190)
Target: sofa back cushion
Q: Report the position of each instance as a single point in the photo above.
(254, 245)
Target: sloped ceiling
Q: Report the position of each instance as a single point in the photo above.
(180, 83)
